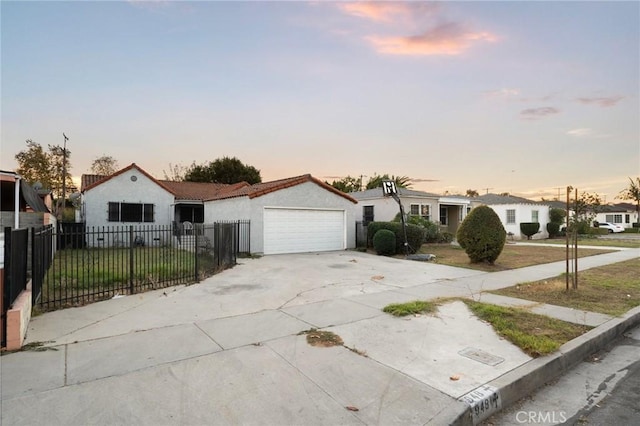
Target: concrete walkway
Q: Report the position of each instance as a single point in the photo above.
(228, 350)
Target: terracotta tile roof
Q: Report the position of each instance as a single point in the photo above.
(88, 180)
(201, 190)
(264, 188)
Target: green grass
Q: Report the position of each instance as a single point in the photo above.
(411, 308)
(79, 273)
(593, 241)
(536, 335)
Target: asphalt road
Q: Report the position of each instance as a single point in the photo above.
(619, 407)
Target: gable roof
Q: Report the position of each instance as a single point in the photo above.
(493, 199)
(99, 181)
(260, 189)
(88, 180)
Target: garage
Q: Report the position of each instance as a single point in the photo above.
(300, 230)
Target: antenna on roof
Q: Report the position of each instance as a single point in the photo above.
(487, 189)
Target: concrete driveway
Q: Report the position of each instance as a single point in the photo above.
(228, 350)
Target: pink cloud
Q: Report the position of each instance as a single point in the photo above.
(603, 101)
(386, 11)
(445, 39)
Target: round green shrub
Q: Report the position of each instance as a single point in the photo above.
(553, 229)
(482, 235)
(557, 215)
(529, 228)
(415, 234)
(384, 242)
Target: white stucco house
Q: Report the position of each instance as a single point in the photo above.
(514, 210)
(298, 214)
(624, 214)
(446, 210)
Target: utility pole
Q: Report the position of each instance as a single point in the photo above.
(64, 174)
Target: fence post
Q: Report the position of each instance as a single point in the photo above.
(195, 251)
(131, 288)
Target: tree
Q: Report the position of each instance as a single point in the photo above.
(472, 193)
(223, 170)
(376, 181)
(176, 172)
(347, 184)
(47, 167)
(585, 209)
(632, 192)
(105, 165)
(482, 235)
(34, 164)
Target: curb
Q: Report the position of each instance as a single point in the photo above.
(524, 380)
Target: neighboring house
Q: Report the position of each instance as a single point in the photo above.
(445, 210)
(624, 214)
(300, 214)
(514, 210)
(20, 206)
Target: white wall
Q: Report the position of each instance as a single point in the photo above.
(385, 209)
(523, 214)
(633, 217)
(121, 188)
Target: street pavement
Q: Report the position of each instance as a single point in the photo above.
(230, 350)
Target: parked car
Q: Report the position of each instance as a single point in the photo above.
(610, 227)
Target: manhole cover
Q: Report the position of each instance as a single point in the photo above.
(481, 356)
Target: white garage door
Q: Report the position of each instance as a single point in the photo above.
(303, 230)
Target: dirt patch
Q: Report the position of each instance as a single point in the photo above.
(324, 339)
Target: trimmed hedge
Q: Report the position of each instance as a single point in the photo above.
(529, 228)
(553, 229)
(482, 235)
(415, 234)
(384, 242)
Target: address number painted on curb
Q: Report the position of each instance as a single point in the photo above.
(484, 401)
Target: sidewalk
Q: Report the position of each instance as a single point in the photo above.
(227, 350)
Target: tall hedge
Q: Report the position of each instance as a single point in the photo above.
(415, 234)
(482, 235)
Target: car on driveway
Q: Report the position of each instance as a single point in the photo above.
(610, 227)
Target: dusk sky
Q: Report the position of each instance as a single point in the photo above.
(519, 97)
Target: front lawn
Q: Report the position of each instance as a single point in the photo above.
(513, 256)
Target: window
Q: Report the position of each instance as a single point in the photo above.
(534, 216)
(421, 210)
(626, 218)
(614, 218)
(444, 215)
(367, 214)
(130, 212)
(511, 216)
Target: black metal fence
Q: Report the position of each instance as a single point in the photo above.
(103, 262)
(16, 246)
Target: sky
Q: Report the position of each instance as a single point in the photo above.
(525, 97)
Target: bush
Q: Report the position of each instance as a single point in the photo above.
(415, 234)
(529, 228)
(482, 235)
(557, 215)
(384, 242)
(431, 231)
(553, 229)
(444, 237)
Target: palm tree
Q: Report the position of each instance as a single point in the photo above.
(632, 192)
(376, 181)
